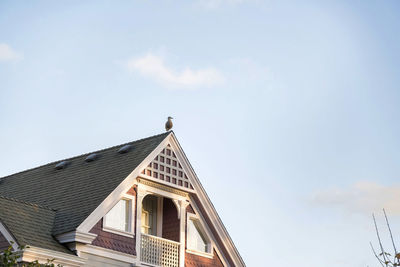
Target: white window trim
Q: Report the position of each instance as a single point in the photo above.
(210, 246)
(199, 253)
(210, 211)
(131, 219)
(160, 206)
(118, 232)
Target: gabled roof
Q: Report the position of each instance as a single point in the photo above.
(30, 224)
(74, 198)
(75, 191)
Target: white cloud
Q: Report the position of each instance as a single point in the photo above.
(362, 197)
(154, 67)
(9, 54)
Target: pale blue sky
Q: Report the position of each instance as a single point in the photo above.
(288, 110)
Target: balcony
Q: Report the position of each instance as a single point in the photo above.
(161, 215)
(157, 251)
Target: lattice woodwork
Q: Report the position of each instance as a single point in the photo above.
(159, 251)
(166, 167)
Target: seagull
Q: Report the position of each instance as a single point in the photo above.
(168, 124)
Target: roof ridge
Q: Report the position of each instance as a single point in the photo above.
(53, 162)
(27, 203)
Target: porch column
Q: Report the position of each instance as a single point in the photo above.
(183, 204)
(141, 193)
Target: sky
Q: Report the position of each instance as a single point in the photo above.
(287, 110)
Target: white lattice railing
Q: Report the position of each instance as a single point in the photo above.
(158, 251)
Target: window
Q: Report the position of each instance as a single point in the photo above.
(196, 239)
(118, 218)
(149, 215)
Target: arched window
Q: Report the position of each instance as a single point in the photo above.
(149, 215)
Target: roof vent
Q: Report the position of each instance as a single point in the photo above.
(91, 157)
(62, 165)
(125, 149)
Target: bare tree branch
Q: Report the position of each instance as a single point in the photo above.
(380, 242)
(391, 237)
(373, 250)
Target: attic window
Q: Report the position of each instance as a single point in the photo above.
(119, 219)
(197, 239)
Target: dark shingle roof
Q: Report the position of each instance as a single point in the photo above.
(75, 191)
(30, 224)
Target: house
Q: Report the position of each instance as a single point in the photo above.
(136, 204)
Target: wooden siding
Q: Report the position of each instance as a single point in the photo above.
(192, 260)
(190, 209)
(170, 224)
(213, 230)
(114, 241)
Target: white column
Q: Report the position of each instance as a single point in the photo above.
(183, 205)
(139, 196)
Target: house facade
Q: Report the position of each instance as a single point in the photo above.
(136, 204)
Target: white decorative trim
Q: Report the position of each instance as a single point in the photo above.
(166, 168)
(199, 253)
(160, 207)
(118, 232)
(107, 253)
(140, 195)
(182, 231)
(119, 192)
(153, 189)
(159, 251)
(76, 236)
(180, 199)
(144, 179)
(206, 231)
(42, 255)
(206, 202)
(8, 235)
(210, 234)
(131, 220)
(178, 207)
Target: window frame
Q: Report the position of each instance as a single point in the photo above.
(203, 231)
(131, 216)
(159, 216)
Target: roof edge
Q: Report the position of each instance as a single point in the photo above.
(203, 197)
(77, 156)
(94, 216)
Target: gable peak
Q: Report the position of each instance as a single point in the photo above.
(167, 169)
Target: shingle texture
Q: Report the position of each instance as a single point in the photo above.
(74, 192)
(30, 224)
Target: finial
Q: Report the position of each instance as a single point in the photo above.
(168, 124)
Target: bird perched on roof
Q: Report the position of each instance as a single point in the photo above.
(168, 124)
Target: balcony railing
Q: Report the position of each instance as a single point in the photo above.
(158, 251)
